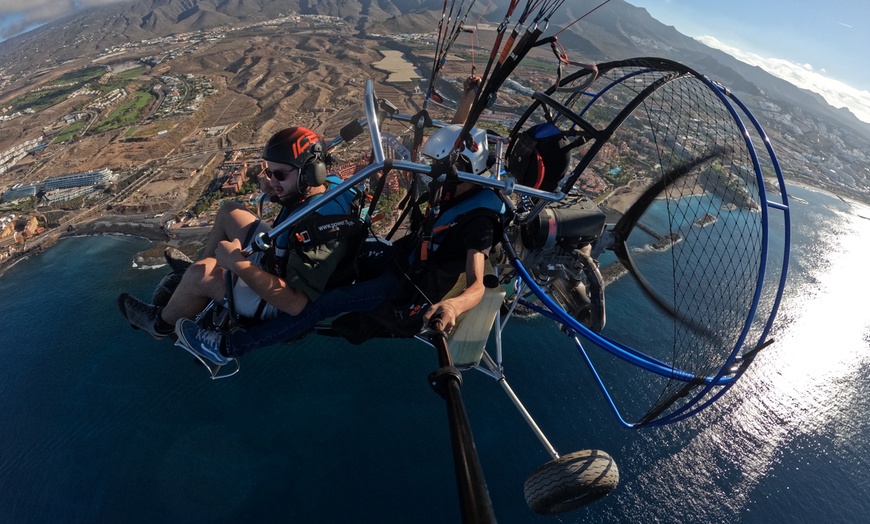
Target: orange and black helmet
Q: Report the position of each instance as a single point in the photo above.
(301, 148)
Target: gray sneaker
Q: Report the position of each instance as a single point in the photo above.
(140, 315)
(204, 343)
(177, 260)
(164, 290)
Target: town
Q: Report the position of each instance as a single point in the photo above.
(159, 136)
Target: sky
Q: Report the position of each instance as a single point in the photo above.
(817, 45)
(17, 16)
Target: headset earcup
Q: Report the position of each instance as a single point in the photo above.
(313, 174)
(314, 171)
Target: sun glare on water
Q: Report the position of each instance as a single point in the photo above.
(805, 383)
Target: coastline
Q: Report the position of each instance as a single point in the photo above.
(622, 198)
(852, 201)
(124, 225)
(152, 229)
(148, 228)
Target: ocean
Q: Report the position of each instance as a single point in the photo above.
(100, 423)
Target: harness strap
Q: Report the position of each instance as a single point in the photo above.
(336, 219)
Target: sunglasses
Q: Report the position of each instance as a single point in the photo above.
(279, 174)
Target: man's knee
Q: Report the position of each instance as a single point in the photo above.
(206, 278)
(233, 219)
(230, 206)
(234, 212)
(203, 271)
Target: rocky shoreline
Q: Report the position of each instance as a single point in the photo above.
(121, 225)
(187, 239)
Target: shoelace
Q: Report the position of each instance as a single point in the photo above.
(209, 338)
(138, 308)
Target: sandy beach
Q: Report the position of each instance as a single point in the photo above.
(622, 198)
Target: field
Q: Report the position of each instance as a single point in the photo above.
(57, 90)
(69, 132)
(127, 114)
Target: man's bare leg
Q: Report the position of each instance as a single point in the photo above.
(231, 222)
(202, 282)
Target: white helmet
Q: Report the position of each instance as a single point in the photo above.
(440, 145)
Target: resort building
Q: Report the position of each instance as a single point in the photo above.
(62, 187)
(90, 178)
(20, 191)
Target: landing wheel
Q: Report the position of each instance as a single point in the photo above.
(571, 481)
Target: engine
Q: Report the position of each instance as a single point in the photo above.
(557, 250)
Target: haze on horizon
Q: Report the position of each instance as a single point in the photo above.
(818, 47)
(759, 40)
(20, 16)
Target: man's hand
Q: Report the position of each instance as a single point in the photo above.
(472, 82)
(445, 312)
(469, 92)
(229, 253)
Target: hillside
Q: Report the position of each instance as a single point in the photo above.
(617, 31)
(284, 70)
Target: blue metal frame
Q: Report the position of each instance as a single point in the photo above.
(724, 379)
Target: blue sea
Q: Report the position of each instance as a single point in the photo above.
(100, 423)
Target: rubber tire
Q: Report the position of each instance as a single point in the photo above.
(571, 481)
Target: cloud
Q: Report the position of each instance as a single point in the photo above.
(835, 92)
(17, 16)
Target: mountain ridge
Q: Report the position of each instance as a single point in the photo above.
(618, 31)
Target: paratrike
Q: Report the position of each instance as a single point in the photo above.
(667, 185)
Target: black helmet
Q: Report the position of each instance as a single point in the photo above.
(301, 148)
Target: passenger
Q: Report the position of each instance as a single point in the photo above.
(289, 280)
(453, 240)
(471, 217)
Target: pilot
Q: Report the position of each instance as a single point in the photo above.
(287, 280)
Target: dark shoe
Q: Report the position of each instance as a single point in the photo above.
(204, 343)
(178, 261)
(166, 288)
(140, 315)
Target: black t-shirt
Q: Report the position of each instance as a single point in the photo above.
(434, 278)
(475, 231)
